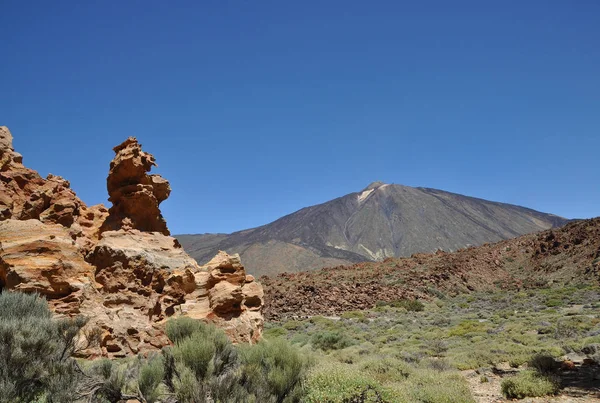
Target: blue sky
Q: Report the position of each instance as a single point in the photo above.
(255, 109)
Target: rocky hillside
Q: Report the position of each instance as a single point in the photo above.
(567, 255)
(378, 222)
(118, 266)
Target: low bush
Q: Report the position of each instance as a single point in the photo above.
(203, 366)
(327, 340)
(339, 383)
(274, 370)
(543, 364)
(409, 305)
(36, 350)
(150, 379)
(529, 384)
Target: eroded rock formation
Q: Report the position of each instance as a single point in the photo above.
(118, 266)
(135, 195)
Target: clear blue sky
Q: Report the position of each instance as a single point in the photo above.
(255, 109)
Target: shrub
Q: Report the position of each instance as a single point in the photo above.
(206, 352)
(409, 305)
(205, 363)
(274, 370)
(204, 366)
(339, 383)
(150, 379)
(35, 350)
(529, 384)
(182, 328)
(274, 332)
(543, 364)
(431, 386)
(293, 325)
(553, 302)
(360, 315)
(330, 341)
(106, 380)
(386, 370)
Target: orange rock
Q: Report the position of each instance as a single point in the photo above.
(118, 267)
(135, 194)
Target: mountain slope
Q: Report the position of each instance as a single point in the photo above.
(569, 255)
(380, 221)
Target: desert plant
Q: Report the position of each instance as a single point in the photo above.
(339, 383)
(150, 378)
(35, 350)
(274, 371)
(327, 340)
(543, 364)
(529, 384)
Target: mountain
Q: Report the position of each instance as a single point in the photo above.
(382, 220)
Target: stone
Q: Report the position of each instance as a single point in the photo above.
(134, 193)
(224, 267)
(225, 297)
(119, 267)
(42, 258)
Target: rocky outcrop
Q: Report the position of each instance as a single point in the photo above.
(42, 258)
(117, 266)
(26, 195)
(135, 194)
(235, 299)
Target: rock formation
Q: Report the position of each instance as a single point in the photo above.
(135, 194)
(119, 267)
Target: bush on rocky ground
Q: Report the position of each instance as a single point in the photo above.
(36, 350)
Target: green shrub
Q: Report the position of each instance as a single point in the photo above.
(106, 380)
(274, 332)
(543, 364)
(409, 305)
(339, 383)
(182, 328)
(529, 384)
(360, 315)
(293, 325)
(203, 366)
(431, 386)
(207, 352)
(35, 350)
(274, 370)
(386, 369)
(553, 302)
(150, 379)
(206, 364)
(330, 341)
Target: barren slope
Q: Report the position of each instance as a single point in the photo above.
(380, 221)
(567, 255)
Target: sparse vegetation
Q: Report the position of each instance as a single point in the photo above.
(415, 356)
(397, 352)
(529, 384)
(36, 350)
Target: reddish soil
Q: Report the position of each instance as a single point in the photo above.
(567, 255)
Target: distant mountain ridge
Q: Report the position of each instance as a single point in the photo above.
(382, 220)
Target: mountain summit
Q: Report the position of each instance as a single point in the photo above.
(382, 220)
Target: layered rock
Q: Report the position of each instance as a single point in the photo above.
(135, 194)
(234, 297)
(117, 266)
(42, 258)
(25, 195)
